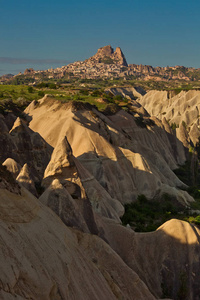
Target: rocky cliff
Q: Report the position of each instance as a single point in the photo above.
(108, 145)
(65, 174)
(107, 55)
(181, 111)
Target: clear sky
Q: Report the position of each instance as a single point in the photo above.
(43, 34)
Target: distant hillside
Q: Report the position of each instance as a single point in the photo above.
(108, 64)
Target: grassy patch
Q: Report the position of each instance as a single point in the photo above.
(22, 95)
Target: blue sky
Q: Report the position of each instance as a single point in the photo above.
(43, 34)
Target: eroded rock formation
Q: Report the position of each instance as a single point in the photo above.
(70, 243)
(123, 154)
(107, 55)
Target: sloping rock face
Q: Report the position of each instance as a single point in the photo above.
(78, 190)
(128, 92)
(57, 197)
(72, 203)
(23, 146)
(8, 148)
(12, 166)
(107, 55)
(25, 179)
(124, 154)
(41, 258)
(182, 110)
(167, 260)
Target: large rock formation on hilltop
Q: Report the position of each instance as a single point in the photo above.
(29, 71)
(107, 55)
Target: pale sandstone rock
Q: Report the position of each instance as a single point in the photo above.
(107, 51)
(124, 158)
(61, 202)
(25, 179)
(8, 148)
(79, 182)
(12, 166)
(102, 202)
(171, 254)
(194, 134)
(30, 148)
(44, 259)
(41, 258)
(179, 109)
(131, 92)
(182, 135)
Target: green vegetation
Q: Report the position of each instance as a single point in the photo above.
(192, 179)
(96, 96)
(192, 219)
(147, 215)
(107, 60)
(14, 92)
(174, 126)
(21, 80)
(189, 174)
(49, 85)
(17, 107)
(30, 89)
(71, 80)
(41, 94)
(184, 124)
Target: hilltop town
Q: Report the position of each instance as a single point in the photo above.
(109, 64)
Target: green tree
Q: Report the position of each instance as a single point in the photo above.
(41, 94)
(30, 89)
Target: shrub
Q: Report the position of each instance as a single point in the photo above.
(84, 92)
(111, 109)
(77, 97)
(197, 220)
(41, 94)
(184, 124)
(96, 93)
(107, 60)
(174, 126)
(52, 86)
(118, 98)
(30, 89)
(42, 85)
